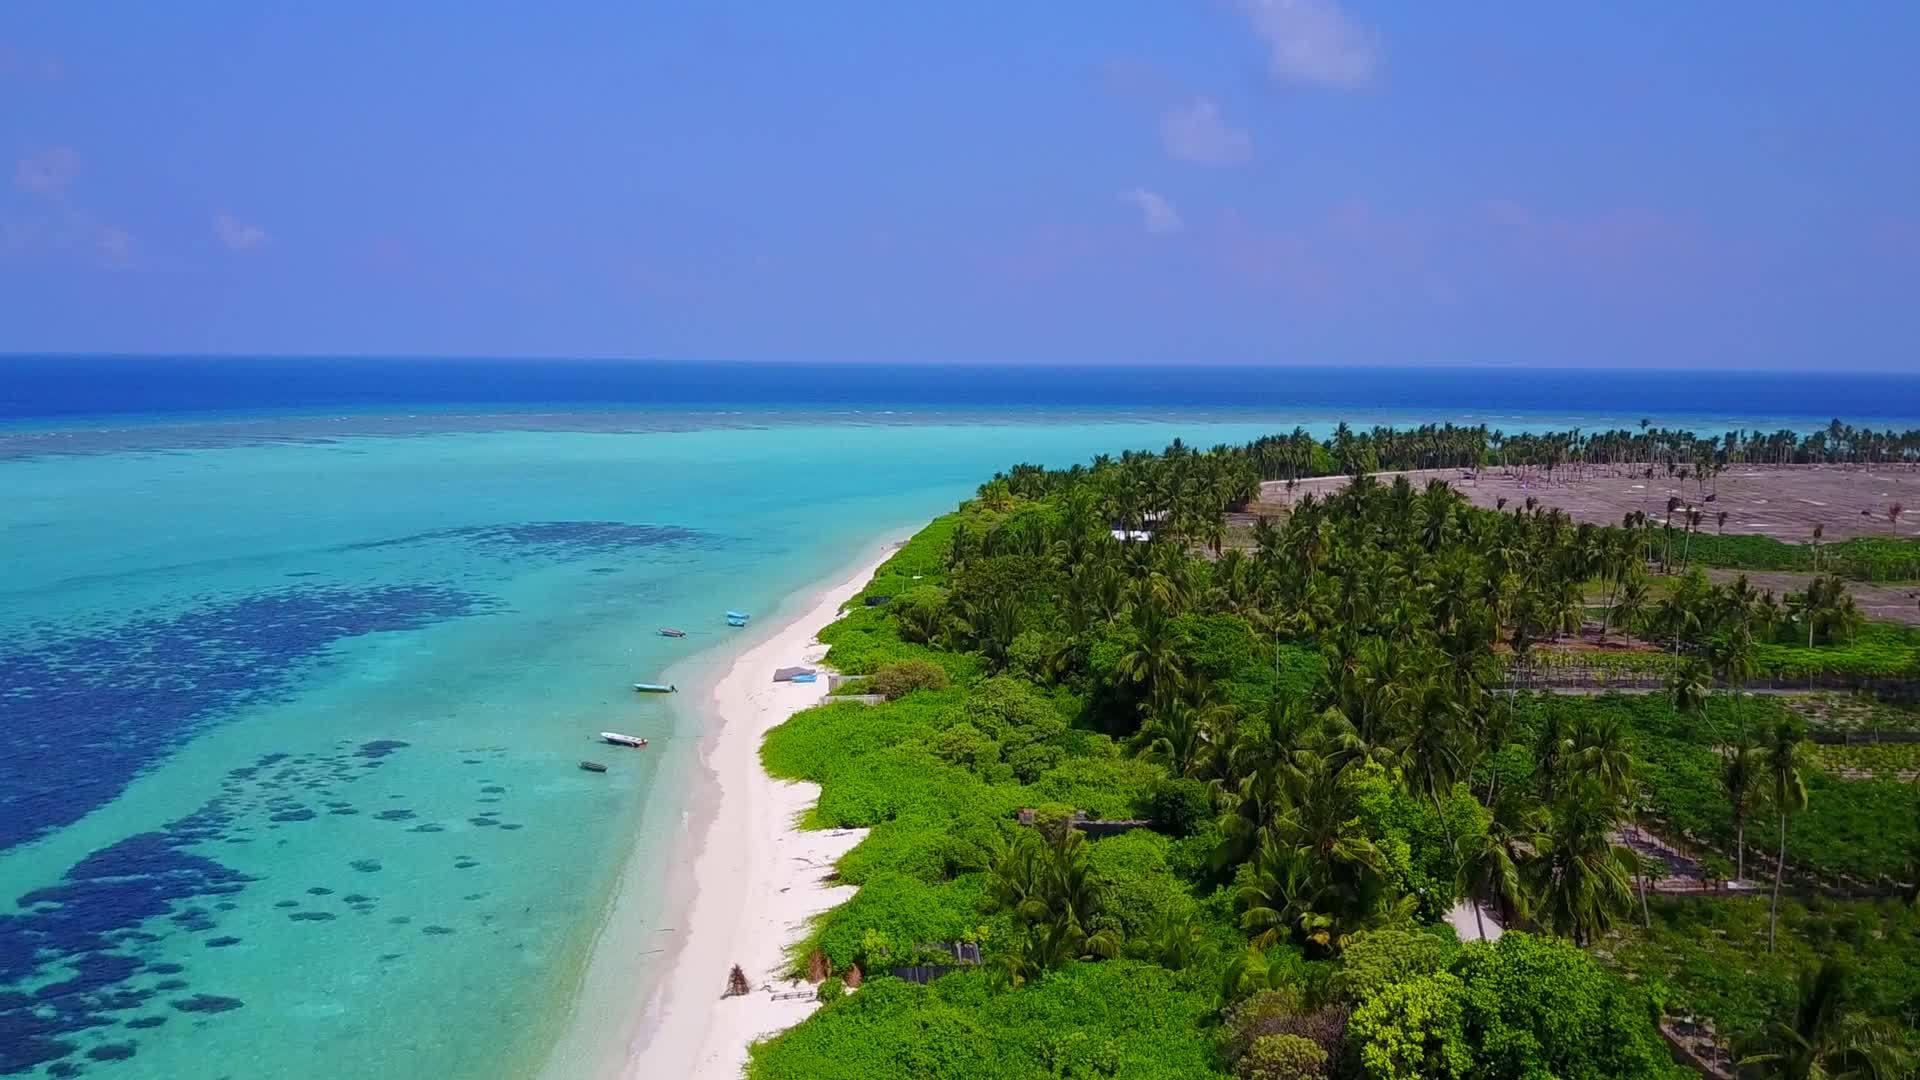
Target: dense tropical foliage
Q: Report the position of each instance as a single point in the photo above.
(1256, 777)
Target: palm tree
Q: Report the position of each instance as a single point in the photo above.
(1180, 735)
(1821, 1040)
(1581, 876)
(1893, 518)
(1489, 866)
(1743, 767)
(1281, 896)
(1789, 796)
(1551, 749)
(1688, 687)
(1175, 939)
(1826, 605)
(1632, 604)
(1154, 661)
(1602, 760)
(1048, 886)
(1430, 755)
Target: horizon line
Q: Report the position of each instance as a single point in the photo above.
(1216, 365)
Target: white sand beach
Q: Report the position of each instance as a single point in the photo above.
(757, 878)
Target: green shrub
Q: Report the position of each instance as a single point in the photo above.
(1108, 788)
(920, 613)
(903, 677)
(1283, 1057)
(1376, 959)
(1412, 1031)
(1524, 1006)
(966, 746)
(1254, 1018)
(899, 913)
(1178, 806)
(1538, 1006)
(831, 990)
(1120, 1018)
(1138, 890)
(819, 743)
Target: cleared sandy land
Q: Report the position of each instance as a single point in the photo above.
(1782, 502)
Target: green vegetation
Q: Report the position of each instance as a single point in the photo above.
(1863, 558)
(1309, 756)
(1863, 830)
(1117, 1018)
(903, 677)
(1678, 454)
(1877, 651)
(1845, 714)
(1883, 761)
(1705, 952)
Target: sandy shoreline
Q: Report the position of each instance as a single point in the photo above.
(756, 878)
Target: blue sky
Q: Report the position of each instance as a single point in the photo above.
(1222, 181)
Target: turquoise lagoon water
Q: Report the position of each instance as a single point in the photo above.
(290, 712)
(293, 729)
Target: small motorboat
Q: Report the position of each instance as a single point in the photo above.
(655, 688)
(737, 618)
(618, 739)
(593, 766)
(668, 631)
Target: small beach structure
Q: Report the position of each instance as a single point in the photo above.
(593, 766)
(618, 739)
(794, 674)
(1094, 827)
(655, 688)
(668, 631)
(737, 618)
(965, 954)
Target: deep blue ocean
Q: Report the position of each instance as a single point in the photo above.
(37, 388)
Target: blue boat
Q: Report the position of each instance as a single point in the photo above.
(737, 618)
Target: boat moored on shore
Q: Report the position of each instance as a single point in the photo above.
(655, 688)
(618, 739)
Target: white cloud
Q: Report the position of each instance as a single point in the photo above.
(1157, 215)
(114, 245)
(236, 234)
(47, 172)
(1199, 134)
(1506, 212)
(1313, 41)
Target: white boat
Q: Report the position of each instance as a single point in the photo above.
(618, 739)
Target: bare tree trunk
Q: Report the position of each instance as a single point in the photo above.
(1640, 876)
(1779, 867)
(1740, 849)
